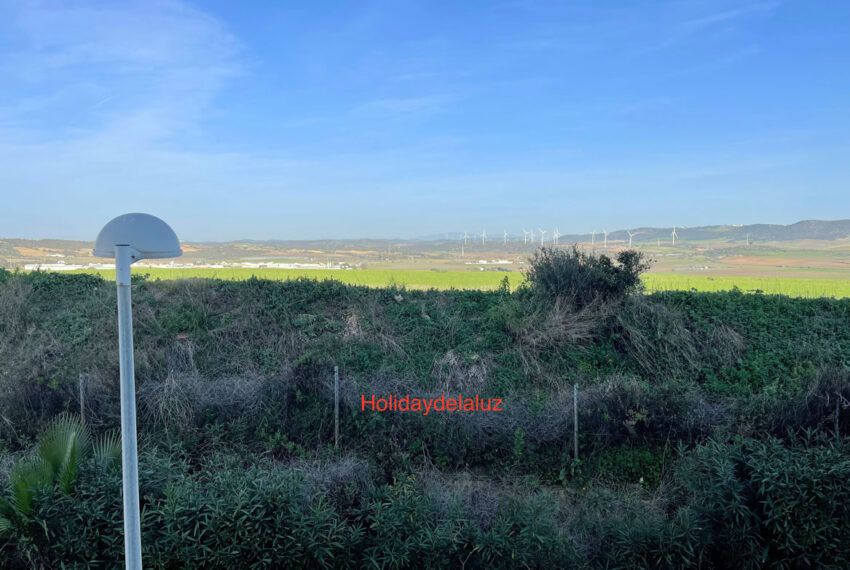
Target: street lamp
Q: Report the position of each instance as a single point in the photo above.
(128, 239)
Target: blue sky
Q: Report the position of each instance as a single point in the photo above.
(269, 119)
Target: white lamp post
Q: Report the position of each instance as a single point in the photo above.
(128, 239)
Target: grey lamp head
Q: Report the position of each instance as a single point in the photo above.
(148, 236)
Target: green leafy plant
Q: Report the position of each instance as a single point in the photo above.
(60, 451)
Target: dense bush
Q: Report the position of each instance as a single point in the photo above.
(769, 502)
(266, 515)
(748, 503)
(824, 405)
(622, 407)
(785, 341)
(582, 278)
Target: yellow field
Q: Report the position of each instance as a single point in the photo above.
(790, 286)
(489, 280)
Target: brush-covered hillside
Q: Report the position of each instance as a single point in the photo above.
(712, 427)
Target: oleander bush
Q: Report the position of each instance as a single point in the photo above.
(743, 503)
(771, 502)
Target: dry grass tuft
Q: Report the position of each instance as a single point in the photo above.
(657, 339)
(551, 326)
(665, 345)
(171, 402)
(352, 330)
(179, 400)
(622, 407)
(723, 345)
(825, 404)
(338, 477)
(454, 373)
(480, 498)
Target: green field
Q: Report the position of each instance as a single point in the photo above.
(408, 278)
(790, 286)
(489, 280)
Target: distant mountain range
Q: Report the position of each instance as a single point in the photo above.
(13, 248)
(807, 229)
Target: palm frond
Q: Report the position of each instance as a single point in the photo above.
(62, 446)
(25, 478)
(5, 525)
(6, 508)
(107, 449)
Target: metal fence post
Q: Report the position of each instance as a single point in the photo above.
(83, 390)
(336, 407)
(575, 421)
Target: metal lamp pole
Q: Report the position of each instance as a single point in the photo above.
(130, 238)
(129, 452)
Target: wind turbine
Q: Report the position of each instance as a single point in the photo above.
(465, 237)
(505, 236)
(605, 233)
(593, 238)
(673, 233)
(542, 235)
(483, 236)
(631, 235)
(525, 236)
(555, 235)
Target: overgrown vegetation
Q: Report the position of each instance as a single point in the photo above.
(713, 426)
(581, 278)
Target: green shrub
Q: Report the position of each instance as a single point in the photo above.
(784, 504)
(581, 278)
(629, 464)
(653, 541)
(49, 477)
(622, 408)
(226, 515)
(822, 406)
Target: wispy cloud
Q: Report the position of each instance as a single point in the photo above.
(159, 62)
(685, 29)
(99, 97)
(406, 105)
(726, 16)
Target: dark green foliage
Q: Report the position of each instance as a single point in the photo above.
(581, 278)
(772, 502)
(228, 515)
(653, 541)
(630, 464)
(52, 471)
(824, 405)
(786, 340)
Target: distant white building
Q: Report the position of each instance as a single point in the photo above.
(58, 266)
(490, 262)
